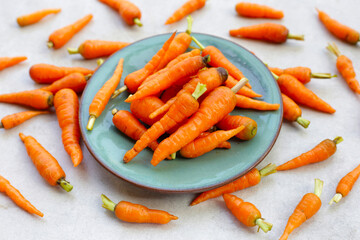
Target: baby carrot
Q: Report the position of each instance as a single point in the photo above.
(319, 153)
(102, 97)
(245, 91)
(270, 32)
(6, 62)
(245, 102)
(307, 207)
(74, 81)
(292, 111)
(250, 179)
(17, 197)
(61, 36)
(16, 119)
(189, 7)
(170, 93)
(246, 212)
(38, 99)
(339, 30)
(45, 163)
(90, 49)
(36, 16)
(144, 107)
(136, 213)
(345, 67)
(230, 122)
(253, 10)
(225, 144)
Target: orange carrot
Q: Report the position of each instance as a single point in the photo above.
(61, 36)
(225, 144)
(6, 62)
(136, 213)
(38, 99)
(245, 102)
(319, 153)
(90, 49)
(111, 3)
(294, 89)
(245, 91)
(127, 10)
(170, 93)
(45, 163)
(231, 122)
(16, 119)
(250, 179)
(35, 16)
(307, 207)
(270, 32)
(74, 81)
(246, 212)
(144, 107)
(345, 67)
(189, 7)
(253, 10)
(339, 30)
(17, 197)
(102, 97)
(66, 104)
(46, 73)
(292, 111)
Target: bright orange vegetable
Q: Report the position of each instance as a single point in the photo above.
(253, 10)
(90, 49)
(225, 144)
(74, 81)
(246, 212)
(170, 93)
(17, 197)
(102, 97)
(319, 153)
(250, 179)
(36, 16)
(270, 32)
(6, 62)
(45, 163)
(38, 99)
(231, 122)
(292, 111)
(144, 107)
(136, 213)
(127, 10)
(339, 30)
(16, 119)
(189, 7)
(245, 91)
(307, 207)
(245, 102)
(61, 36)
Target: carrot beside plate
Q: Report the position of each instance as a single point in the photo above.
(36, 16)
(253, 10)
(6, 62)
(16, 119)
(189, 7)
(90, 49)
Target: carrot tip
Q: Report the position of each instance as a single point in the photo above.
(22, 136)
(265, 226)
(91, 123)
(303, 122)
(119, 91)
(138, 22)
(107, 203)
(336, 198)
(65, 184)
(174, 217)
(50, 44)
(73, 50)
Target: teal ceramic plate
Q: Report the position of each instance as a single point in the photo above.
(108, 145)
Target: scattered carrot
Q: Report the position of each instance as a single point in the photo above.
(61, 36)
(136, 213)
(38, 99)
(45, 163)
(74, 81)
(16, 119)
(17, 197)
(102, 97)
(253, 10)
(246, 212)
(231, 122)
(250, 179)
(345, 67)
(128, 11)
(245, 91)
(6, 62)
(307, 207)
(270, 32)
(144, 107)
(90, 49)
(339, 30)
(36, 16)
(245, 102)
(189, 7)
(319, 153)
(292, 111)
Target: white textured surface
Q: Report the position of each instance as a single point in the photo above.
(79, 215)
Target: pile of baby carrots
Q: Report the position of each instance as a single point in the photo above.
(184, 95)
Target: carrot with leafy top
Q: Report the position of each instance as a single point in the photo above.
(253, 10)
(189, 7)
(91, 49)
(73, 81)
(36, 16)
(6, 62)
(45, 163)
(38, 99)
(245, 102)
(234, 121)
(292, 112)
(17, 197)
(16, 119)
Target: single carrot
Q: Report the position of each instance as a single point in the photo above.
(46, 73)
(187, 8)
(111, 3)
(246, 212)
(129, 12)
(90, 49)
(319, 153)
(45, 163)
(245, 91)
(224, 145)
(66, 105)
(16, 119)
(294, 89)
(230, 122)
(36, 16)
(345, 67)
(339, 30)
(307, 207)
(270, 32)
(102, 97)
(61, 36)
(292, 111)
(6, 62)
(74, 81)
(203, 145)
(17, 197)
(38, 99)
(253, 10)
(345, 185)
(136, 213)
(245, 102)
(170, 93)
(144, 107)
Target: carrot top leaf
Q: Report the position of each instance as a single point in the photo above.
(107, 203)
(189, 26)
(138, 22)
(336, 198)
(303, 122)
(265, 226)
(268, 169)
(199, 90)
(338, 140)
(65, 184)
(318, 187)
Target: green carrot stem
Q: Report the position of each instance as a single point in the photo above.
(87, 77)
(267, 170)
(198, 43)
(50, 44)
(100, 61)
(296, 37)
(303, 122)
(114, 111)
(65, 184)
(333, 48)
(189, 26)
(173, 155)
(239, 85)
(119, 91)
(274, 75)
(318, 187)
(336, 198)
(199, 90)
(265, 226)
(138, 22)
(107, 203)
(322, 75)
(73, 50)
(338, 140)
(91, 122)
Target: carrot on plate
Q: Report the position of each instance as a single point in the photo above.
(253, 10)
(230, 122)
(292, 112)
(224, 145)
(38, 99)
(187, 8)
(90, 49)
(245, 91)
(6, 62)
(74, 81)
(144, 107)
(36, 16)
(127, 10)
(17, 197)
(246, 102)
(16, 119)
